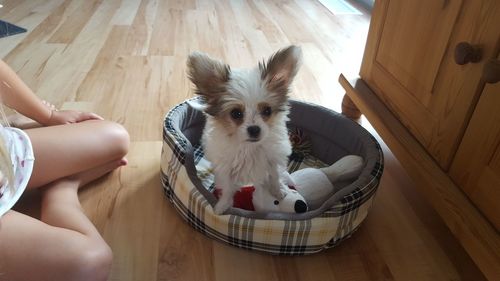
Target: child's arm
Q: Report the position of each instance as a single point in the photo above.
(15, 94)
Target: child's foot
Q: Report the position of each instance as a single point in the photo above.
(63, 189)
(88, 176)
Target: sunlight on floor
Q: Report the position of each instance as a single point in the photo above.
(340, 7)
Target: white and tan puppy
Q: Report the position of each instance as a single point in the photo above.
(245, 136)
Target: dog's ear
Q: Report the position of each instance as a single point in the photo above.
(280, 69)
(209, 75)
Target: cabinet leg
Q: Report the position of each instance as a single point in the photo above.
(349, 109)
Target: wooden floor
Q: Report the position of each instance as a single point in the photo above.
(125, 60)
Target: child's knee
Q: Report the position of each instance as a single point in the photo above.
(117, 136)
(93, 263)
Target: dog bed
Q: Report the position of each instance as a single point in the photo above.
(188, 184)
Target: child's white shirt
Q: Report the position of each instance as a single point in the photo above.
(21, 153)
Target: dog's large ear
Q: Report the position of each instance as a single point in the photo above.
(209, 75)
(280, 69)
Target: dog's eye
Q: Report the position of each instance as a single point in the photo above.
(267, 111)
(276, 202)
(236, 114)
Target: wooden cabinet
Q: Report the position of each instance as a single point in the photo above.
(409, 62)
(438, 116)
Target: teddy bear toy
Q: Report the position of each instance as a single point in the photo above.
(306, 189)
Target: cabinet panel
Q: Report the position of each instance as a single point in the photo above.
(409, 63)
(413, 42)
(476, 167)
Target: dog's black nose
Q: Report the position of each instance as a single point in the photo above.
(300, 206)
(253, 131)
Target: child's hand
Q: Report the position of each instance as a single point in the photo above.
(70, 116)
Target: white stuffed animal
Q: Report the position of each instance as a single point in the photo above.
(312, 187)
(293, 202)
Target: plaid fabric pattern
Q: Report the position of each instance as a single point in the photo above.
(173, 137)
(280, 237)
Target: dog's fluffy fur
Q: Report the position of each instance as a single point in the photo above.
(245, 137)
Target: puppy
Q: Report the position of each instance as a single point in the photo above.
(245, 136)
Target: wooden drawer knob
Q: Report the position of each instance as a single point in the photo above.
(465, 53)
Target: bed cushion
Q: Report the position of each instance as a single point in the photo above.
(188, 183)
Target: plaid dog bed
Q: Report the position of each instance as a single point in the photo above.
(188, 184)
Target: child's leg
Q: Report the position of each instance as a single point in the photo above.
(60, 204)
(61, 151)
(33, 250)
(65, 246)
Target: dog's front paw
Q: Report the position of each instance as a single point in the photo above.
(221, 207)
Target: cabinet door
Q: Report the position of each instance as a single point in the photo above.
(409, 62)
(476, 167)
